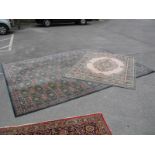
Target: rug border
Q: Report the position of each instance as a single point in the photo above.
(67, 118)
(9, 93)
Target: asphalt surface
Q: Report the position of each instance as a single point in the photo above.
(126, 111)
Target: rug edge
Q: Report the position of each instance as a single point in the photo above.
(66, 118)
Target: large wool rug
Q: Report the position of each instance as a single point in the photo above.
(105, 68)
(39, 83)
(93, 124)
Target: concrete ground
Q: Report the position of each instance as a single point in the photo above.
(126, 111)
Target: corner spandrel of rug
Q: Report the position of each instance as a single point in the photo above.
(105, 68)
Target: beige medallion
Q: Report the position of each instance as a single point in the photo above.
(105, 65)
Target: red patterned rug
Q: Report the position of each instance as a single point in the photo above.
(93, 124)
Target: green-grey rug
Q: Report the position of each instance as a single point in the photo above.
(38, 83)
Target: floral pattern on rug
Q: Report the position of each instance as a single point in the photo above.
(39, 83)
(93, 124)
(105, 68)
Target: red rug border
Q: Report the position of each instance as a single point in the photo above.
(67, 118)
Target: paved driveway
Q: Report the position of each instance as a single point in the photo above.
(126, 111)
